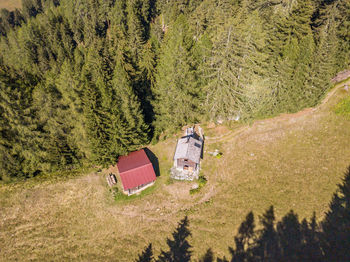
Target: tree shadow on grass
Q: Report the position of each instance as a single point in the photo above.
(292, 240)
(288, 240)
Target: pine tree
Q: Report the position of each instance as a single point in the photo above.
(324, 66)
(56, 127)
(293, 47)
(130, 108)
(19, 134)
(31, 8)
(236, 67)
(343, 32)
(136, 28)
(98, 107)
(177, 90)
(115, 119)
(9, 20)
(71, 90)
(147, 79)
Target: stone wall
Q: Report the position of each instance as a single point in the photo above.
(183, 175)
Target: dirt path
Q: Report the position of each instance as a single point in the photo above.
(261, 127)
(78, 219)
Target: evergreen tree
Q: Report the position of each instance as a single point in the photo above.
(343, 32)
(293, 66)
(70, 91)
(115, 120)
(106, 70)
(235, 68)
(147, 79)
(130, 108)
(18, 130)
(56, 128)
(9, 20)
(324, 66)
(176, 91)
(136, 28)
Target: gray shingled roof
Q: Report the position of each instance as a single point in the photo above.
(189, 148)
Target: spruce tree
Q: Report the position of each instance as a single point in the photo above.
(130, 109)
(176, 92)
(19, 134)
(56, 127)
(343, 32)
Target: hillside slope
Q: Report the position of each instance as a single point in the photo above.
(291, 161)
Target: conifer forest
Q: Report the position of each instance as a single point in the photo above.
(83, 82)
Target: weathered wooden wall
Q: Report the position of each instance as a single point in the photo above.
(181, 163)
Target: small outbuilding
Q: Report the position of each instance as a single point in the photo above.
(187, 156)
(136, 172)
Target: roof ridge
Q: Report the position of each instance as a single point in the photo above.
(138, 167)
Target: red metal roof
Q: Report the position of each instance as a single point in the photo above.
(135, 169)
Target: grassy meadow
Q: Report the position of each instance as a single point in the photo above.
(291, 162)
(10, 4)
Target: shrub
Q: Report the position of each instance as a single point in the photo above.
(219, 155)
(343, 108)
(201, 183)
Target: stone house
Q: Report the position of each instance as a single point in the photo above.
(188, 154)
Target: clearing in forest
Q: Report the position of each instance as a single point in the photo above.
(10, 4)
(293, 161)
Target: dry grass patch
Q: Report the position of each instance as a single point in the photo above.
(10, 4)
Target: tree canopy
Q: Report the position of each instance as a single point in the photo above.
(82, 82)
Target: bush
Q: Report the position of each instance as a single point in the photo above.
(201, 183)
(219, 155)
(343, 108)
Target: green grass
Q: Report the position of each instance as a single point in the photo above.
(201, 183)
(120, 197)
(10, 4)
(45, 178)
(291, 162)
(343, 108)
